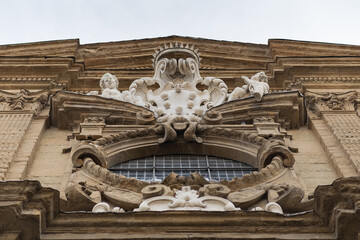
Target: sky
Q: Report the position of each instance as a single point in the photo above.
(253, 21)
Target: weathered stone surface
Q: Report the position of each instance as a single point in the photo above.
(321, 73)
(246, 197)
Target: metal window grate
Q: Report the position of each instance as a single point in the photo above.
(157, 167)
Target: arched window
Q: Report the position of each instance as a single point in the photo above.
(157, 167)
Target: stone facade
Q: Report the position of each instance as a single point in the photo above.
(69, 113)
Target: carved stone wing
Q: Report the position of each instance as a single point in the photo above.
(138, 90)
(217, 89)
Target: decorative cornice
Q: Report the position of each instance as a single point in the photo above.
(297, 82)
(327, 79)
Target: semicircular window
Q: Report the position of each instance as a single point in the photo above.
(157, 167)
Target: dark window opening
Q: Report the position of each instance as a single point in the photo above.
(157, 167)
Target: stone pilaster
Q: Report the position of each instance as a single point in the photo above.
(17, 110)
(12, 131)
(337, 111)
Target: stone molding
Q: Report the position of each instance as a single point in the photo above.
(105, 150)
(115, 112)
(23, 202)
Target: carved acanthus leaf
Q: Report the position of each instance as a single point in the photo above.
(24, 100)
(186, 199)
(320, 102)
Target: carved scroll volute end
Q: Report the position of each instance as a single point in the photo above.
(156, 190)
(145, 118)
(275, 150)
(212, 117)
(169, 133)
(87, 151)
(190, 133)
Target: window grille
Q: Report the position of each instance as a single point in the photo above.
(157, 167)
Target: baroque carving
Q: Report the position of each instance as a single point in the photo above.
(290, 198)
(109, 89)
(94, 184)
(186, 199)
(256, 86)
(177, 102)
(319, 102)
(24, 100)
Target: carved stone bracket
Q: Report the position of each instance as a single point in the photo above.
(91, 128)
(266, 127)
(324, 102)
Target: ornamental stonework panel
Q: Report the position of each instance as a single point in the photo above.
(179, 137)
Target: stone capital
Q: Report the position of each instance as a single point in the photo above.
(24, 100)
(320, 103)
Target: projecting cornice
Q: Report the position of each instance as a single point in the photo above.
(77, 67)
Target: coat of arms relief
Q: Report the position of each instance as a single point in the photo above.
(182, 102)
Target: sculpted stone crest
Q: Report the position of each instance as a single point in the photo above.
(177, 102)
(177, 98)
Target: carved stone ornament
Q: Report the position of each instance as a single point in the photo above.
(177, 102)
(24, 100)
(94, 184)
(320, 102)
(256, 86)
(186, 199)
